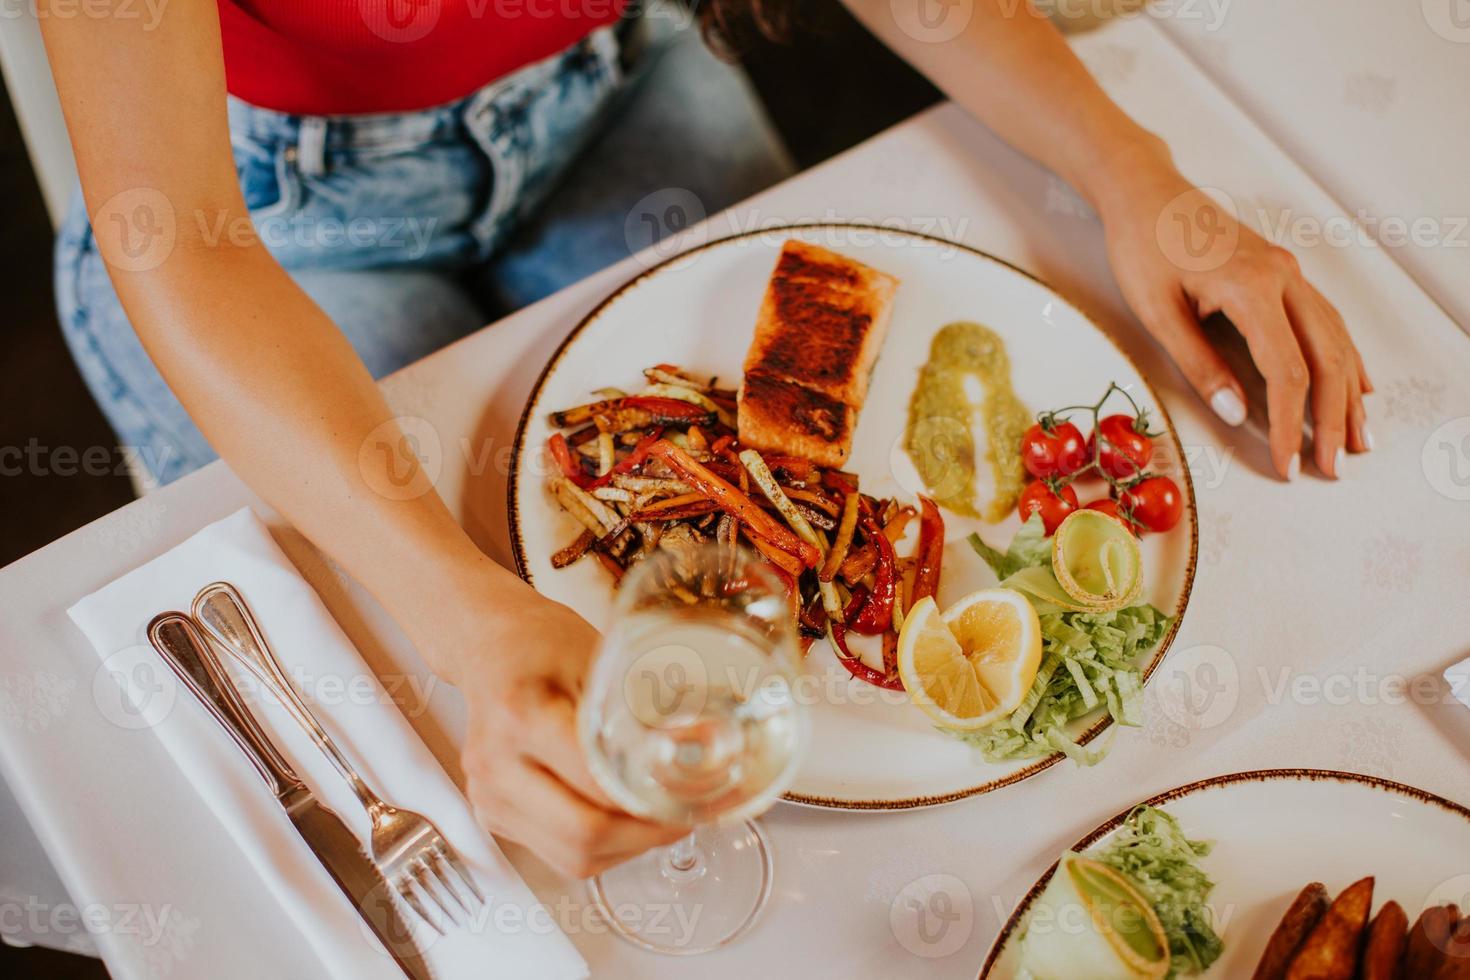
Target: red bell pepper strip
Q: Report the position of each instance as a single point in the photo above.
(566, 461)
(876, 614)
(735, 503)
(666, 408)
(855, 666)
(719, 446)
(630, 462)
(930, 552)
(799, 468)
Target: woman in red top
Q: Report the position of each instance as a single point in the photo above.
(284, 198)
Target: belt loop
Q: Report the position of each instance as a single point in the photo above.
(311, 147)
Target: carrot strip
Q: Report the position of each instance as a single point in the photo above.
(736, 503)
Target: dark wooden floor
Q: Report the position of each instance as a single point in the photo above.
(46, 406)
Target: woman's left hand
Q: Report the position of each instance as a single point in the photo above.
(1179, 256)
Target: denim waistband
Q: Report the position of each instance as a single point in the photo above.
(396, 130)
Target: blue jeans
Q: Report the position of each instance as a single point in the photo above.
(411, 230)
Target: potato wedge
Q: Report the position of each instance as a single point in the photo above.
(1330, 952)
(1384, 946)
(1300, 919)
(1424, 951)
(1455, 964)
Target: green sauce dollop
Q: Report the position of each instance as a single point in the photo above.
(939, 439)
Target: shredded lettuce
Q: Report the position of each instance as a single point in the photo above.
(1151, 850)
(1088, 660)
(1029, 547)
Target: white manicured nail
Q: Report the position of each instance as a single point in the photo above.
(1294, 467)
(1228, 406)
(1337, 462)
(1367, 436)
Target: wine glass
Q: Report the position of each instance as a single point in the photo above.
(689, 718)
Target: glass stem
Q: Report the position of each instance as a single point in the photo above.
(682, 858)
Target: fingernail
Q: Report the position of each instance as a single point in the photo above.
(1366, 434)
(1337, 459)
(1228, 406)
(1294, 467)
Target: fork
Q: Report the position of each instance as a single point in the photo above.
(408, 849)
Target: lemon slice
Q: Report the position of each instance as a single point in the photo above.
(1096, 924)
(971, 665)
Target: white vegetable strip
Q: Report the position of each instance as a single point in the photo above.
(766, 480)
(595, 507)
(561, 489)
(606, 453)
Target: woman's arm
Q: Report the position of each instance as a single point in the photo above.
(1011, 69)
(285, 400)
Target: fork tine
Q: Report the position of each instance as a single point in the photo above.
(403, 884)
(451, 856)
(432, 858)
(428, 882)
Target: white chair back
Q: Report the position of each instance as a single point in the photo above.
(32, 92)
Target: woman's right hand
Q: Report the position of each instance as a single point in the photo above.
(527, 775)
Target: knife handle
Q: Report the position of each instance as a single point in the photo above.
(184, 649)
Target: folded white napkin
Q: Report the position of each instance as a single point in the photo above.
(513, 937)
(1458, 678)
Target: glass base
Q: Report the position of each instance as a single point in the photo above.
(682, 908)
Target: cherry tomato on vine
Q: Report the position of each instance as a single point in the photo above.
(1156, 503)
(1040, 498)
(1056, 451)
(1109, 506)
(1125, 448)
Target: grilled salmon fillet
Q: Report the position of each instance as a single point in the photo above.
(785, 417)
(817, 336)
(822, 322)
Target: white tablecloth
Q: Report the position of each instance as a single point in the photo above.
(1315, 605)
(1368, 97)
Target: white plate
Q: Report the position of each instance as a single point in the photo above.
(1275, 831)
(698, 310)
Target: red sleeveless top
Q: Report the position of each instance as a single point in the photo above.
(326, 57)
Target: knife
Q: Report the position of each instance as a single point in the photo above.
(178, 640)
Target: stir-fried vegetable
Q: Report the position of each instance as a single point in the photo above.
(664, 467)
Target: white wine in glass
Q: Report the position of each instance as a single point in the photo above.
(689, 719)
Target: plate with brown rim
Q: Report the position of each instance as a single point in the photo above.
(870, 750)
(1276, 830)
